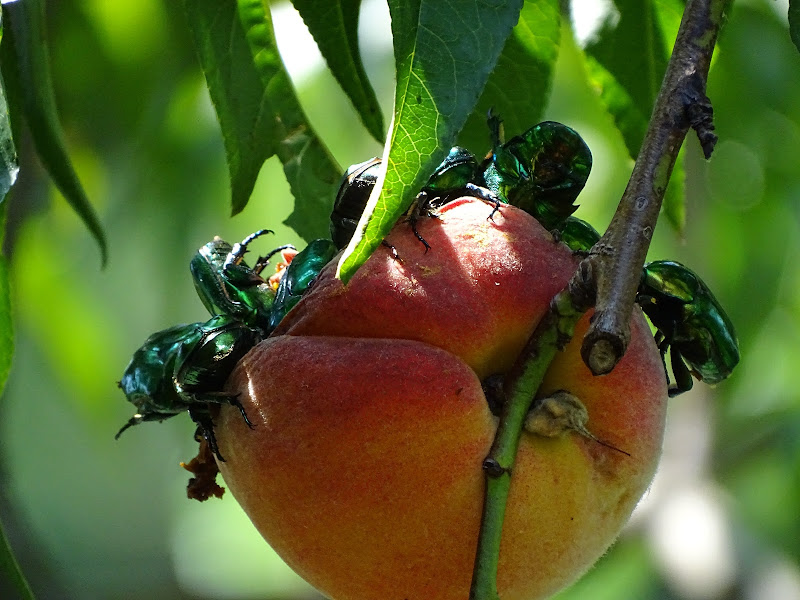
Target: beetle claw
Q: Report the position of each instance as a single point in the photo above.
(393, 250)
(263, 261)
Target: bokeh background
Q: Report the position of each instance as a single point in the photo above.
(94, 518)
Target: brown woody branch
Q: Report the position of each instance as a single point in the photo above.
(609, 276)
(619, 256)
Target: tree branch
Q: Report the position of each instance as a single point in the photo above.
(552, 333)
(618, 257)
(609, 276)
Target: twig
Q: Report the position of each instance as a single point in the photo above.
(609, 276)
(618, 257)
(551, 334)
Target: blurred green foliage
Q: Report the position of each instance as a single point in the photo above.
(89, 517)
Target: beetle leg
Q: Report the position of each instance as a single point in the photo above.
(393, 250)
(235, 256)
(240, 248)
(681, 373)
(421, 208)
(219, 398)
(419, 236)
(662, 343)
(234, 401)
(263, 261)
(486, 195)
(205, 427)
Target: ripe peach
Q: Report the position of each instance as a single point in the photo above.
(371, 425)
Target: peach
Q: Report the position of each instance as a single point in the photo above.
(363, 470)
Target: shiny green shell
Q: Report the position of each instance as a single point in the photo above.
(299, 275)
(578, 235)
(185, 367)
(541, 171)
(228, 286)
(690, 320)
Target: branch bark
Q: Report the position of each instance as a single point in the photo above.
(619, 256)
(609, 276)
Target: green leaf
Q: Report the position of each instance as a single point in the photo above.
(313, 174)
(10, 568)
(794, 22)
(444, 52)
(625, 62)
(674, 205)
(244, 113)
(8, 564)
(31, 74)
(519, 87)
(9, 168)
(628, 116)
(258, 110)
(334, 25)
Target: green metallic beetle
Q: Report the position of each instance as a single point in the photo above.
(459, 174)
(578, 235)
(299, 276)
(227, 286)
(184, 368)
(351, 199)
(690, 321)
(541, 171)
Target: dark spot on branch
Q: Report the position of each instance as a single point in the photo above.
(494, 469)
(701, 120)
(700, 113)
(494, 393)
